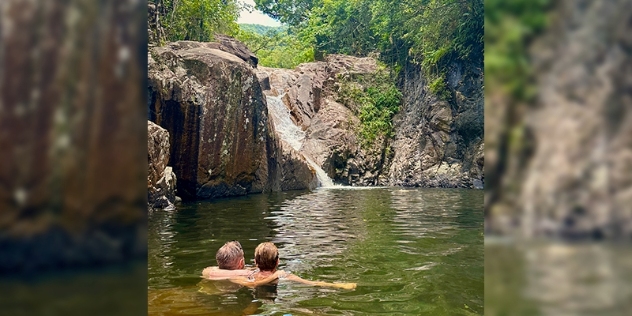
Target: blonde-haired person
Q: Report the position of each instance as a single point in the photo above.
(267, 261)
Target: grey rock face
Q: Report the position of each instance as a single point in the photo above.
(437, 143)
(161, 181)
(578, 180)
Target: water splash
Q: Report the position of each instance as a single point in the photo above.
(293, 134)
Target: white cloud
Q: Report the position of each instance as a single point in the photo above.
(256, 16)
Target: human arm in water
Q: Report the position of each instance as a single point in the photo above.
(249, 282)
(295, 278)
(280, 274)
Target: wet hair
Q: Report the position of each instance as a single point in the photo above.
(229, 255)
(266, 256)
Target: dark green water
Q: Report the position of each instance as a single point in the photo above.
(108, 290)
(411, 252)
(556, 278)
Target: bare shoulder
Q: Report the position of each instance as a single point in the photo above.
(219, 274)
(208, 271)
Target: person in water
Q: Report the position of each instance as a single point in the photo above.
(230, 263)
(231, 266)
(267, 261)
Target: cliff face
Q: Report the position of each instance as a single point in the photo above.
(578, 181)
(73, 165)
(439, 143)
(436, 144)
(211, 103)
(567, 174)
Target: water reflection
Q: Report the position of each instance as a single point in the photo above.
(316, 228)
(552, 278)
(411, 251)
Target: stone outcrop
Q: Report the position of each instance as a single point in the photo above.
(161, 181)
(222, 141)
(211, 104)
(439, 143)
(232, 46)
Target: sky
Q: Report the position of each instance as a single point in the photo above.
(255, 17)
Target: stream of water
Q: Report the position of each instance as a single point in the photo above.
(411, 252)
(293, 134)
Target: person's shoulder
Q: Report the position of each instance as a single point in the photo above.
(214, 273)
(208, 271)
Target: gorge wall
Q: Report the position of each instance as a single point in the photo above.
(437, 143)
(578, 182)
(208, 98)
(215, 103)
(440, 143)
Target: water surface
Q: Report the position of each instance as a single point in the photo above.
(411, 252)
(557, 278)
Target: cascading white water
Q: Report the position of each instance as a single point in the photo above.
(292, 134)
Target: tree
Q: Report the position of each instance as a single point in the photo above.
(198, 20)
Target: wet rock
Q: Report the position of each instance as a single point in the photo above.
(74, 144)
(211, 104)
(161, 181)
(295, 171)
(310, 93)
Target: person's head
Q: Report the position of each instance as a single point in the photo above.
(230, 256)
(267, 256)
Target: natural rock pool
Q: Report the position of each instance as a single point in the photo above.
(411, 252)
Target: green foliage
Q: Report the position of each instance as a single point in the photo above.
(341, 26)
(438, 87)
(432, 33)
(509, 27)
(277, 48)
(291, 12)
(198, 20)
(262, 29)
(445, 31)
(376, 99)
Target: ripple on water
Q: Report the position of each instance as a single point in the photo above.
(411, 251)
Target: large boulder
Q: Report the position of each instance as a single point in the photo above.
(296, 173)
(72, 169)
(161, 181)
(222, 140)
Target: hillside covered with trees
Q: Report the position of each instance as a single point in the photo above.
(431, 33)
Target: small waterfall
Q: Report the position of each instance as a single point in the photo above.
(292, 134)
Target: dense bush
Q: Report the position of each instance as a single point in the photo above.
(375, 98)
